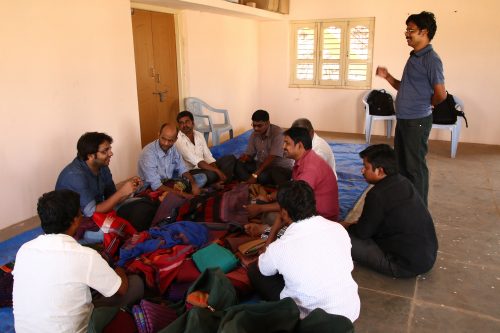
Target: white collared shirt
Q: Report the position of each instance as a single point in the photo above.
(193, 153)
(52, 280)
(323, 149)
(314, 257)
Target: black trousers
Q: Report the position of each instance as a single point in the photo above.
(268, 287)
(411, 146)
(273, 175)
(226, 164)
(367, 253)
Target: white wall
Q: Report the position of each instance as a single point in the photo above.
(221, 63)
(66, 67)
(465, 40)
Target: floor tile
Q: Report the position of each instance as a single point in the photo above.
(382, 313)
(432, 318)
(470, 287)
(470, 246)
(366, 278)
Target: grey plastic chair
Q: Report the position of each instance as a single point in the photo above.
(203, 121)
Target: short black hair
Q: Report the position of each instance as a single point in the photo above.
(297, 198)
(185, 114)
(88, 144)
(381, 156)
(260, 115)
(57, 210)
(424, 20)
(299, 134)
(304, 123)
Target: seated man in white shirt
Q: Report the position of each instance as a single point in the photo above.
(311, 262)
(193, 148)
(319, 145)
(53, 274)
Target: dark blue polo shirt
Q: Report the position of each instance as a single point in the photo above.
(423, 70)
(93, 189)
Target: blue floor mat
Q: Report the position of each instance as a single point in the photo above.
(8, 248)
(351, 187)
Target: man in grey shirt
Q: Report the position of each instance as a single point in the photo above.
(263, 160)
(420, 88)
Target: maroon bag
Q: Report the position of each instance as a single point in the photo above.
(231, 207)
(168, 209)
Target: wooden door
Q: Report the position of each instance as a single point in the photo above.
(156, 71)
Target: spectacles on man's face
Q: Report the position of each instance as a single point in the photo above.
(410, 31)
(105, 151)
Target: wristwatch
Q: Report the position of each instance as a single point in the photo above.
(254, 175)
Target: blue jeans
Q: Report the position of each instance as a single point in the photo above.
(200, 179)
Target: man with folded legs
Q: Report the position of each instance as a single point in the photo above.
(319, 145)
(310, 168)
(263, 161)
(311, 262)
(160, 161)
(395, 233)
(53, 273)
(89, 175)
(192, 146)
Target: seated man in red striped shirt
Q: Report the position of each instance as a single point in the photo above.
(308, 167)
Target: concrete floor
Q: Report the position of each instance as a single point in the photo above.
(462, 292)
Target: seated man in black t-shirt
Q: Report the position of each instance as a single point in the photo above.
(395, 234)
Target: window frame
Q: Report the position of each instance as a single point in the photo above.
(318, 27)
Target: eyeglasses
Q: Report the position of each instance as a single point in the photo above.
(105, 151)
(410, 31)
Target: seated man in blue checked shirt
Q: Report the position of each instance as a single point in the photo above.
(161, 161)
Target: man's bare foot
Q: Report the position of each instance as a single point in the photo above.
(254, 229)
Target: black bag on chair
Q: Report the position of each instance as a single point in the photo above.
(446, 112)
(381, 103)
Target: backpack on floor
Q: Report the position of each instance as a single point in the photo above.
(446, 112)
(381, 103)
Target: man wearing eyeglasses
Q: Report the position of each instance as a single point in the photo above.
(420, 88)
(263, 160)
(89, 175)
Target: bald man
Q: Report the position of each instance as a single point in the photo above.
(160, 161)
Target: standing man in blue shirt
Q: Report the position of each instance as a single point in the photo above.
(161, 161)
(420, 88)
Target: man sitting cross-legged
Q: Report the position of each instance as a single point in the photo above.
(263, 160)
(194, 150)
(161, 161)
(53, 274)
(89, 175)
(395, 233)
(319, 145)
(310, 168)
(311, 262)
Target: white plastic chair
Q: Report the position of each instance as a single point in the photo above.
(203, 122)
(454, 128)
(370, 118)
